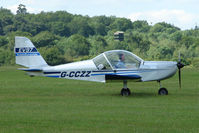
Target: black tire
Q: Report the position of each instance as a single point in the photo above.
(163, 91)
(125, 92)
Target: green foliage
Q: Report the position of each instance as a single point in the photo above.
(121, 24)
(44, 38)
(6, 20)
(99, 29)
(77, 37)
(21, 9)
(77, 45)
(195, 62)
(52, 55)
(187, 41)
(164, 27)
(3, 41)
(160, 52)
(6, 57)
(79, 25)
(141, 26)
(98, 44)
(137, 42)
(176, 36)
(60, 28)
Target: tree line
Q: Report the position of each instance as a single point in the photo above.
(62, 37)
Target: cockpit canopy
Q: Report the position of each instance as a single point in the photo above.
(117, 59)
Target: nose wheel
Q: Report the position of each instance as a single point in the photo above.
(162, 91)
(125, 91)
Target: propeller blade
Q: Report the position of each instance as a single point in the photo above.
(179, 58)
(179, 65)
(179, 77)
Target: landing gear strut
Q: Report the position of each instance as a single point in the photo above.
(125, 91)
(162, 90)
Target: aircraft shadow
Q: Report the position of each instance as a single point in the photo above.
(143, 94)
(133, 95)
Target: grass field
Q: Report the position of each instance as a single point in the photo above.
(48, 105)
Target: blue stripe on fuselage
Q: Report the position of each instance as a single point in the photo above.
(52, 72)
(118, 72)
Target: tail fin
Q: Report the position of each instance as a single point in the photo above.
(27, 55)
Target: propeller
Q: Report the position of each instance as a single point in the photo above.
(179, 65)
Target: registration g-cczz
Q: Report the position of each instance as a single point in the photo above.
(76, 74)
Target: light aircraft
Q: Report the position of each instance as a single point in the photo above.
(114, 65)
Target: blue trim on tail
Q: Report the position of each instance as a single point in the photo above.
(27, 54)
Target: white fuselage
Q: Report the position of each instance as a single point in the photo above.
(86, 70)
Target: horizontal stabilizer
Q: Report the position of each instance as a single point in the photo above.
(30, 70)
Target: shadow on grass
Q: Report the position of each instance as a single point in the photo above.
(143, 94)
(133, 95)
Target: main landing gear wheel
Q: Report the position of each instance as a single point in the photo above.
(125, 92)
(163, 91)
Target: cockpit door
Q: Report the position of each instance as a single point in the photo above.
(120, 59)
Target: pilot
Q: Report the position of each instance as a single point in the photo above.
(120, 63)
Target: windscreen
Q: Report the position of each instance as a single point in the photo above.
(101, 63)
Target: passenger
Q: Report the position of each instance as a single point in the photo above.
(121, 63)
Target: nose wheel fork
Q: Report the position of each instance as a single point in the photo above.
(162, 90)
(125, 91)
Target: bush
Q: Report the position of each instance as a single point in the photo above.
(195, 62)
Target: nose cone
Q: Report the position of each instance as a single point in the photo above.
(159, 70)
(171, 67)
(166, 69)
